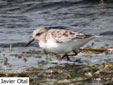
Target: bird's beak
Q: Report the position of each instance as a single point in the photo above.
(30, 42)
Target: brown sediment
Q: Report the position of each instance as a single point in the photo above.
(73, 73)
(99, 50)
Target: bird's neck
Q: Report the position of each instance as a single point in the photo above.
(43, 38)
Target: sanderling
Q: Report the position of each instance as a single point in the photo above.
(60, 41)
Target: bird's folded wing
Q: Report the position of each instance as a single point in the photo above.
(65, 35)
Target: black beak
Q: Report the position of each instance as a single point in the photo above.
(30, 42)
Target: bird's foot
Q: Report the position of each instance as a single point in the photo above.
(66, 57)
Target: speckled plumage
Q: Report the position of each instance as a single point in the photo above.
(59, 40)
(65, 35)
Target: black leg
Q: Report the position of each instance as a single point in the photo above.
(66, 57)
(45, 53)
(75, 52)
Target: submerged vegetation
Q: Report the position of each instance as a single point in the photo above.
(65, 74)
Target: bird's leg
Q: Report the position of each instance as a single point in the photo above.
(66, 57)
(45, 54)
(75, 52)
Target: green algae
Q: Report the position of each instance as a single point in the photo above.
(66, 74)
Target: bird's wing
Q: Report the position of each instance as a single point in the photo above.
(65, 35)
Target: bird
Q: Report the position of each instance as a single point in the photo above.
(60, 40)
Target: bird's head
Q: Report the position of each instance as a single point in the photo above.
(38, 34)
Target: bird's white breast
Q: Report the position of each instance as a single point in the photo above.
(49, 45)
(52, 46)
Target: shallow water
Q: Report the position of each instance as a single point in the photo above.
(19, 18)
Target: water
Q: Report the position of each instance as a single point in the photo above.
(18, 18)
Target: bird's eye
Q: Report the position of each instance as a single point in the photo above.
(38, 34)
